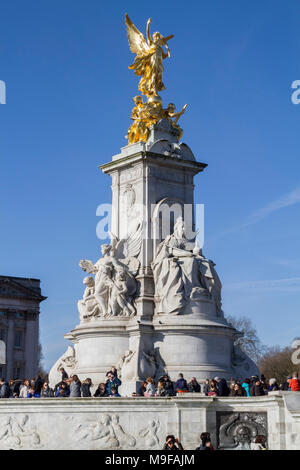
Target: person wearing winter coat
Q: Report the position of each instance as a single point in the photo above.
(75, 386)
(46, 391)
(194, 386)
(101, 391)
(62, 390)
(114, 393)
(273, 385)
(206, 387)
(172, 444)
(239, 391)
(112, 381)
(295, 383)
(168, 385)
(246, 386)
(143, 387)
(38, 383)
(205, 442)
(150, 388)
(32, 393)
(160, 390)
(64, 374)
(4, 389)
(258, 389)
(213, 391)
(222, 387)
(15, 387)
(24, 389)
(181, 385)
(285, 387)
(86, 388)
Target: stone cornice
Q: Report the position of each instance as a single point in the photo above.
(10, 288)
(158, 159)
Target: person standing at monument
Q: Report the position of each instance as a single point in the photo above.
(101, 391)
(194, 386)
(205, 442)
(24, 389)
(46, 391)
(4, 389)
(150, 388)
(295, 383)
(38, 383)
(32, 393)
(86, 388)
(168, 385)
(172, 444)
(181, 384)
(222, 387)
(112, 382)
(206, 387)
(75, 386)
(258, 389)
(246, 386)
(285, 387)
(64, 374)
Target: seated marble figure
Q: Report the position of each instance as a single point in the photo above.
(181, 274)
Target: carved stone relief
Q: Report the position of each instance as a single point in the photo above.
(237, 431)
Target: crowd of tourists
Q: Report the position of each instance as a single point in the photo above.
(164, 387)
(249, 387)
(66, 387)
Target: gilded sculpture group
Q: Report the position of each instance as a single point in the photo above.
(148, 64)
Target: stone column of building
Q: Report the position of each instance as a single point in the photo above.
(30, 345)
(10, 347)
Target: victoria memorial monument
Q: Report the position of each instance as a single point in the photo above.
(152, 302)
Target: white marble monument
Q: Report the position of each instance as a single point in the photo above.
(152, 303)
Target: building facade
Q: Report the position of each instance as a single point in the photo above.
(20, 300)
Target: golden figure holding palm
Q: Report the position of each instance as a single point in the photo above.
(148, 63)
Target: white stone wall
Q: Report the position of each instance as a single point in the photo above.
(137, 423)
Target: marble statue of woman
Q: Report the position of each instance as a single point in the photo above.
(175, 272)
(103, 270)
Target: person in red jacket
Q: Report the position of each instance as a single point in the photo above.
(295, 383)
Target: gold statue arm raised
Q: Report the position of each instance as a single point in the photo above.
(148, 32)
(177, 115)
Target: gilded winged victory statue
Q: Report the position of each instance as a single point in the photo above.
(148, 64)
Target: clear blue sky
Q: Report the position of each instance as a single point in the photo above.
(68, 104)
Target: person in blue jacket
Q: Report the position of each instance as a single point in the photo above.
(112, 382)
(32, 393)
